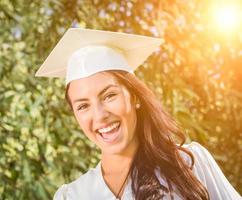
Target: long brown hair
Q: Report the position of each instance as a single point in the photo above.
(158, 148)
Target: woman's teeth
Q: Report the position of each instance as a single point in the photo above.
(109, 128)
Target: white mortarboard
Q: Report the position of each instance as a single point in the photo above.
(83, 52)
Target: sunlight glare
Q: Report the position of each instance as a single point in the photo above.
(227, 17)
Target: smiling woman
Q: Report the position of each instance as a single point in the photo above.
(140, 158)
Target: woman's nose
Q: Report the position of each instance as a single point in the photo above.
(100, 113)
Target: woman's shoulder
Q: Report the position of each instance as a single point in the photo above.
(194, 146)
(202, 157)
(200, 153)
(209, 173)
(196, 149)
(72, 188)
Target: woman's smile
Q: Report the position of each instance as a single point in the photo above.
(110, 133)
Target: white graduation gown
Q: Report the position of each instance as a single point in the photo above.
(91, 185)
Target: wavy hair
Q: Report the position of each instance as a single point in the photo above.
(158, 151)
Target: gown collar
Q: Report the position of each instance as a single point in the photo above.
(127, 189)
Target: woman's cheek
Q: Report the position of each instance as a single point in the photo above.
(117, 107)
(82, 121)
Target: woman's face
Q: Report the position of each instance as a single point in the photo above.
(106, 112)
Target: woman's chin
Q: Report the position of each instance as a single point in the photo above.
(115, 149)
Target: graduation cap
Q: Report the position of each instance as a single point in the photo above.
(83, 52)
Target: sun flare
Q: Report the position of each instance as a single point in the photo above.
(227, 17)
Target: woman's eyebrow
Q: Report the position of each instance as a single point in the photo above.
(99, 94)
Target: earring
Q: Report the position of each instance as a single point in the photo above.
(137, 105)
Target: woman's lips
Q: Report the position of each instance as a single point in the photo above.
(110, 136)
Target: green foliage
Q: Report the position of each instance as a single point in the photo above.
(196, 74)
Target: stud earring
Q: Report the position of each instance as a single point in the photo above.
(137, 105)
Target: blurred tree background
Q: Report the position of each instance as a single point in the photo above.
(196, 73)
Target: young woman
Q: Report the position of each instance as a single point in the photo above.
(140, 157)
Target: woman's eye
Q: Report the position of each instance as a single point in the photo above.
(109, 96)
(82, 107)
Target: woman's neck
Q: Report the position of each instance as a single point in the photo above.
(116, 163)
